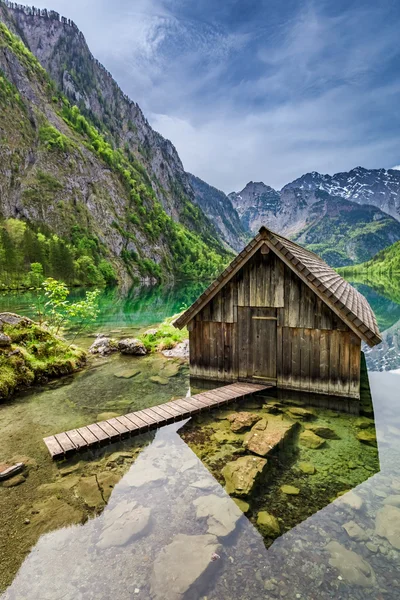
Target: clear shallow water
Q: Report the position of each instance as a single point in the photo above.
(158, 486)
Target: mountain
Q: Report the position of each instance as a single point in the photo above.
(379, 187)
(94, 180)
(346, 218)
(343, 232)
(255, 204)
(219, 209)
(386, 262)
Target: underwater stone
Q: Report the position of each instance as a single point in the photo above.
(351, 499)
(124, 523)
(310, 440)
(242, 474)
(160, 380)
(353, 568)
(14, 481)
(268, 524)
(300, 413)
(307, 468)
(367, 436)
(89, 491)
(242, 504)
(364, 422)
(118, 458)
(290, 490)
(324, 432)
(392, 500)
(104, 416)
(185, 562)
(354, 531)
(242, 420)
(132, 346)
(277, 432)
(222, 514)
(127, 373)
(53, 514)
(387, 524)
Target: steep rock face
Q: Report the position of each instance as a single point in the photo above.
(379, 187)
(62, 50)
(61, 176)
(219, 209)
(256, 204)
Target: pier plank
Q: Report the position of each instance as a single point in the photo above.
(104, 432)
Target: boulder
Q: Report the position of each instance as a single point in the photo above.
(241, 421)
(181, 350)
(290, 490)
(324, 432)
(132, 346)
(185, 564)
(268, 524)
(242, 474)
(222, 514)
(5, 340)
(367, 436)
(277, 432)
(13, 319)
(387, 524)
(124, 523)
(355, 532)
(103, 345)
(353, 568)
(310, 440)
(274, 407)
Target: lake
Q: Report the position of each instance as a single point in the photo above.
(148, 518)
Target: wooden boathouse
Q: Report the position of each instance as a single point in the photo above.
(279, 314)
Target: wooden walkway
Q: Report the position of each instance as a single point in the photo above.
(112, 430)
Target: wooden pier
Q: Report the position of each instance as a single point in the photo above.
(99, 434)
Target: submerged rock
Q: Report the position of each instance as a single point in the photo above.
(242, 474)
(324, 432)
(53, 513)
(160, 380)
(276, 433)
(310, 440)
(14, 481)
(88, 489)
(393, 500)
(353, 568)
(355, 532)
(350, 499)
(132, 346)
(387, 524)
(242, 504)
(290, 490)
(241, 421)
(124, 523)
(364, 423)
(303, 414)
(127, 373)
(367, 436)
(183, 565)
(268, 524)
(143, 473)
(222, 514)
(307, 468)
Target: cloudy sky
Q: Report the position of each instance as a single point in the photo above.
(256, 89)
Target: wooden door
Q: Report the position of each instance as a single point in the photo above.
(257, 332)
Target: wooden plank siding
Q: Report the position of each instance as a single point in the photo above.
(267, 323)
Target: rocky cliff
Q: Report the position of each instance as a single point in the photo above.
(219, 209)
(96, 170)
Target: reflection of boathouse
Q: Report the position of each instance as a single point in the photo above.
(280, 314)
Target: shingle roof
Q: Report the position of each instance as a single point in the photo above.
(337, 293)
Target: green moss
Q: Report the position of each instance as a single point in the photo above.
(165, 337)
(35, 356)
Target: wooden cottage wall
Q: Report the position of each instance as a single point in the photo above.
(316, 351)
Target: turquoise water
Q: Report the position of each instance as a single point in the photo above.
(155, 532)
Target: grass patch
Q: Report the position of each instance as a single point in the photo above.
(165, 337)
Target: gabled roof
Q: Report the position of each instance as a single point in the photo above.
(336, 292)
